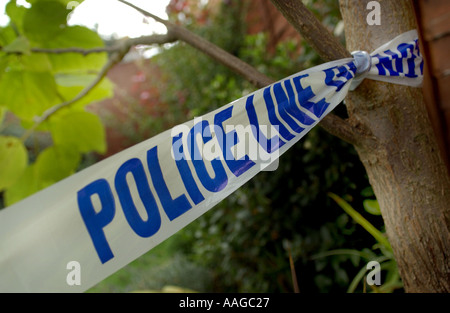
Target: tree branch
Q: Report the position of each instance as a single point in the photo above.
(331, 123)
(329, 49)
(119, 52)
(129, 42)
(74, 50)
(237, 65)
(312, 30)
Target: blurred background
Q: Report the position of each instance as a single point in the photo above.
(281, 232)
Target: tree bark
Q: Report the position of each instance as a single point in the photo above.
(406, 171)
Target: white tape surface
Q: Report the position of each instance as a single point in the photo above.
(114, 211)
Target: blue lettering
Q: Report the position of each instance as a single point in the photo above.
(343, 72)
(386, 63)
(404, 49)
(172, 207)
(220, 180)
(229, 140)
(273, 116)
(306, 94)
(96, 221)
(269, 145)
(287, 107)
(185, 171)
(153, 223)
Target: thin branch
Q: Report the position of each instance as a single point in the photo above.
(119, 52)
(318, 36)
(344, 130)
(129, 42)
(82, 51)
(331, 123)
(234, 63)
(329, 49)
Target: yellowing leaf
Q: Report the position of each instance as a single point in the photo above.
(3, 111)
(19, 45)
(25, 186)
(70, 85)
(28, 94)
(80, 37)
(79, 130)
(52, 165)
(56, 163)
(13, 160)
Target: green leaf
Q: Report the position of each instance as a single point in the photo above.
(3, 111)
(37, 62)
(28, 94)
(79, 130)
(44, 21)
(4, 60)
(13, 160)
(67, 3)
(52, 165)
(56, 163)
(34, 62)
(19, 45)
(367, 192)
(372, 206)
(7, 35)
(80, 37)
(361, 220)
(16, 14)
(25, 186)
(70, 85)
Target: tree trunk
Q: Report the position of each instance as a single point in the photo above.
(405, 169)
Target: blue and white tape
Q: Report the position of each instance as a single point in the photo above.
(109, 214)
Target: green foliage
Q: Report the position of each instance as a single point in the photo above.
(385, 256)
(358, 218)
(32, 82)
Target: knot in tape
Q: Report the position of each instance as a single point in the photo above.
(363, 63)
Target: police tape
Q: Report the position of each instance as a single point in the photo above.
(111, 213)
